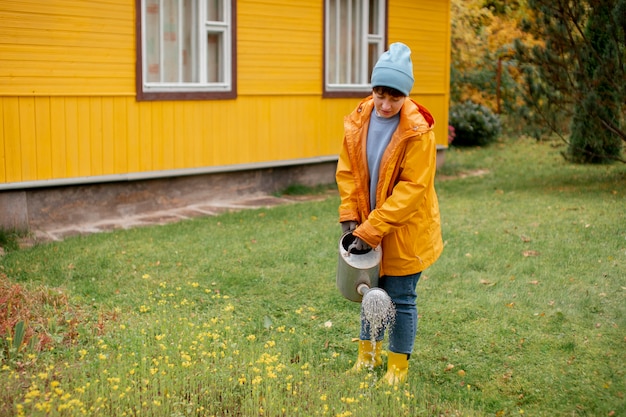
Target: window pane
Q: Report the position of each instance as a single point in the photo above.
(331, 55)
(345, 33)
(170, 41)
(153, 44)
(354, 38)
(372, 56)
(343, 42)
(189, 52)
(356, 41)
(215, 11)
(215, 55)
(373, 28)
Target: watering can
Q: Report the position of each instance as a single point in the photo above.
(357, 271)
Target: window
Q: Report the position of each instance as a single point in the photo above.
(355, 36)
(186, 49)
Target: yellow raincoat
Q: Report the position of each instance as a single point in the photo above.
(406, 219)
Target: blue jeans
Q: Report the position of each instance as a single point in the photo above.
(403, 329)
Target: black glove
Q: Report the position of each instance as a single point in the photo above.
(348, 226)
(358, 246)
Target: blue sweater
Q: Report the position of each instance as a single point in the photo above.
(378, 136)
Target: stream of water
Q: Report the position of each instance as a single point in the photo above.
(377, 310)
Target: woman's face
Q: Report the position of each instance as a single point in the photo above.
(386, 105)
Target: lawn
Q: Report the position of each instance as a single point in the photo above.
(238, 314)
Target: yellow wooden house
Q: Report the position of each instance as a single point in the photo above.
(118, 93)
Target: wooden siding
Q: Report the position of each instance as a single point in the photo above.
(67, 90)
(62, 137)
(68, 47)
(280, 46)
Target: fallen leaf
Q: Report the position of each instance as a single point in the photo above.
(528, 253)
(449, 367)
(487, 283)
(534, 282)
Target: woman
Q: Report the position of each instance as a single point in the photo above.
(385, 175)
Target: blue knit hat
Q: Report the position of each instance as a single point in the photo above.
(394, 69)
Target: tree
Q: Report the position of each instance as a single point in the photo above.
(484, 68)
(471, 73)
(578, 73)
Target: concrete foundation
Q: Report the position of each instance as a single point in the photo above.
(58, 207)
(13, 211)
(33, 209)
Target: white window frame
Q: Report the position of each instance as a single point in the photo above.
(361, 42)
(200, 32)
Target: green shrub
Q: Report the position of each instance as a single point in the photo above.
(474, 125)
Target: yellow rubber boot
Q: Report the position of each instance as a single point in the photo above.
(368, 357)
(397, 368)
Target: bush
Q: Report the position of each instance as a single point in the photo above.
(474, 125)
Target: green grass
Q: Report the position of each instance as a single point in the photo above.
(238, 315)
(299, 189)
(9, 239)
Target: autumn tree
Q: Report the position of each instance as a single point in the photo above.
(484, 69)
(578, 73)
(471, 72)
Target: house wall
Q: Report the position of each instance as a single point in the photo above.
(69, 113)
(67, 90)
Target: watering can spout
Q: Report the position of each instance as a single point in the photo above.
(362, 289)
